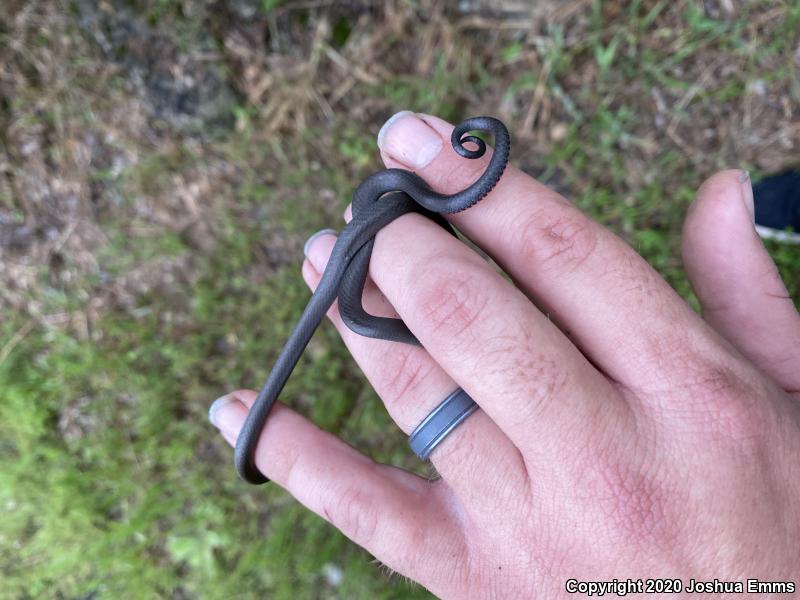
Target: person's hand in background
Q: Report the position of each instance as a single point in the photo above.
(620, 435)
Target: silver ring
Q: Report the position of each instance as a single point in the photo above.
(443, 419)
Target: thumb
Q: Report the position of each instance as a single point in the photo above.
(738, 285)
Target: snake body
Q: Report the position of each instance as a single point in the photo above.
(378, 200)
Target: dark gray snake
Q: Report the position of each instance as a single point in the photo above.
(378, 201)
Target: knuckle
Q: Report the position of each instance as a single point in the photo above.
(561, 238)
(716, 402)
(451, 297)
(730, 408)
(406, 371)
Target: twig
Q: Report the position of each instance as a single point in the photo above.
(8, 348)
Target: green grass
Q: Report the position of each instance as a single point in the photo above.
(112, 482)
(137, 496)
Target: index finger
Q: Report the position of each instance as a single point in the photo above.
(614, 306)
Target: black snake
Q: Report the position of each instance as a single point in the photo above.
(378, 201)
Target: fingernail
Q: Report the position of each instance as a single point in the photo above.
(310, 241)
(747, 194)
(215, 412)
(409, 140)
(317, 254)
(228, 414)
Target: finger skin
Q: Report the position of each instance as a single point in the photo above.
(475, 457)
(488, 337)
(736, 281)
(621, 314)
(400, 518)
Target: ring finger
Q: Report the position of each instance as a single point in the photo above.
(477, 455)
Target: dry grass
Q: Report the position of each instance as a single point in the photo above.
(92, 92)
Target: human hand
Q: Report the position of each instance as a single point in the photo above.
(620, 436)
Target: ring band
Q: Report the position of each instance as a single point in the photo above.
(443, 419)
